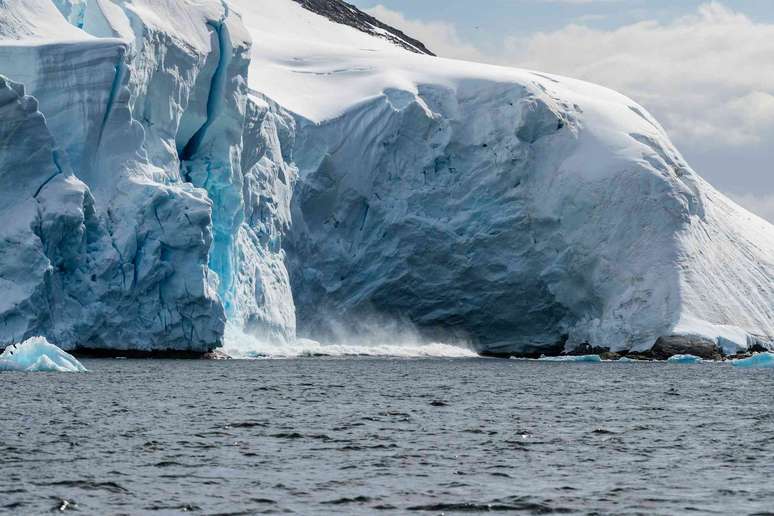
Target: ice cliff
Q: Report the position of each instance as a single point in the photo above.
(169, 167)
(125, 230)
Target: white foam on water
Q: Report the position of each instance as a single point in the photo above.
(243, 346)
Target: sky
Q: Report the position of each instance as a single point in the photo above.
(704, 68)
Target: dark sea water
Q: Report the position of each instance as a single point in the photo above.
(361, 436)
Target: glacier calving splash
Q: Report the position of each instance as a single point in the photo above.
(174, 168)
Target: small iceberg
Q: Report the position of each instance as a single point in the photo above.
(571, 358)
(684, 359)
(759, 360)
(38, 355)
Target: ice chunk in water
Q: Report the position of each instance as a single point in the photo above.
(759, 360)
(581, 358)
(38, 355)
(684, 359)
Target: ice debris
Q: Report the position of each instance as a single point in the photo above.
(570, 358)
(684, 359)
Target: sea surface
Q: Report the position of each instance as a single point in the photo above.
(381, 435)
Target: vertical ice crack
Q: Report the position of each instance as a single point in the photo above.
(215, 96)
(115, 89)
(206, 160)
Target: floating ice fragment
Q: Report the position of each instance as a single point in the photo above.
(38, 355)
(684, 359)
(759, 360)
(568, 358)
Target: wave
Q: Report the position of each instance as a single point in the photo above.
(243, 346)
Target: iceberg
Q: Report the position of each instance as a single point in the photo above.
(171, 168)
(38, 355)
(684, 359)
(758, 360)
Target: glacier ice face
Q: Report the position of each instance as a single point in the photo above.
(171, 165)
(153, 230)
(521, 210)
(124, 253)
(37, 355)
(456, 208)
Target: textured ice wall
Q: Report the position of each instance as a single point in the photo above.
(507, 207)
(147, 105)
(189, 91)
(132, 271)
(451, 207)
(500, 212)
(263, 303)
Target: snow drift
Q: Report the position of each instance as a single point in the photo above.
(171, 165)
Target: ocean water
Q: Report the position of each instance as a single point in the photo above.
(367, 435)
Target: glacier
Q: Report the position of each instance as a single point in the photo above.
(181, 173)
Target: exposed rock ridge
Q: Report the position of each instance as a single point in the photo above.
(347, 14)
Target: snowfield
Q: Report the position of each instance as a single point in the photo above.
(171, 168)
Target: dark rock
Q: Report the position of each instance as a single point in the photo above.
(529, 351)
(671, 345)
(346, 14)
(608, 355)
(216, 355)
(86, 352)
(588, 349)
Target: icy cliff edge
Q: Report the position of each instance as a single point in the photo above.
(171, 167)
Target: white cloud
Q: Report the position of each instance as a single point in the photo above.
(708, 77)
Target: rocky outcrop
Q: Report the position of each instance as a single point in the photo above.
(347, 14)
(672, 345)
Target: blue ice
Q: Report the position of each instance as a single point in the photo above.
(759, 360)
(38, 355)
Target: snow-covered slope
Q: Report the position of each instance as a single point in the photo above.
(513, 207)
(148, 189)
